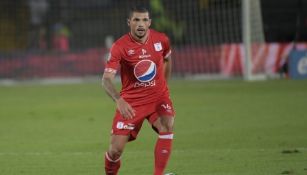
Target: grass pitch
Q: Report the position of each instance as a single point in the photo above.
(222, 128)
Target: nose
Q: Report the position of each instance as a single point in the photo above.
(140, 24)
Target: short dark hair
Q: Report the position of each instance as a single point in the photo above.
(138, 8)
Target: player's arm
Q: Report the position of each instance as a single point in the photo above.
(167, 58)
(167, 67)
(107, 83)
(123, 107)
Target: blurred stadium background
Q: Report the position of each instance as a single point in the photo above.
(222, 127)
(71, 38)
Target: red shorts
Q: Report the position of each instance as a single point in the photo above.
(151, 112)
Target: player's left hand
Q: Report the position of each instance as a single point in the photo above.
(125, 109)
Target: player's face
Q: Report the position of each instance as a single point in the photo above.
(139, 24)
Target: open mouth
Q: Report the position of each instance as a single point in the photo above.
(140, 29)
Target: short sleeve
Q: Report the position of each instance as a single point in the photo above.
(113, 60)
(167, 48)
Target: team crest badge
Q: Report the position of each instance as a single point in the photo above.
(145, 70)
(158, 46)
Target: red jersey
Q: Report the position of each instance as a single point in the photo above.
(141, 67)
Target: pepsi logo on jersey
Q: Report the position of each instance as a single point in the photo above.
(145, 72)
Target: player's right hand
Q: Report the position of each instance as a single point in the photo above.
(125, 109)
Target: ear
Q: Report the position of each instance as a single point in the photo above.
(149, 22)
(128, 22)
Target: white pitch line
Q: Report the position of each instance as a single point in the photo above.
(45, 153)
(135, 152)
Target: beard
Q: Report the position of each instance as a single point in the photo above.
(140, 33)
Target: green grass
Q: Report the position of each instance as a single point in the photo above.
(222, 128)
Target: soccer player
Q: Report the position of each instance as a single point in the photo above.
(143, 56)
